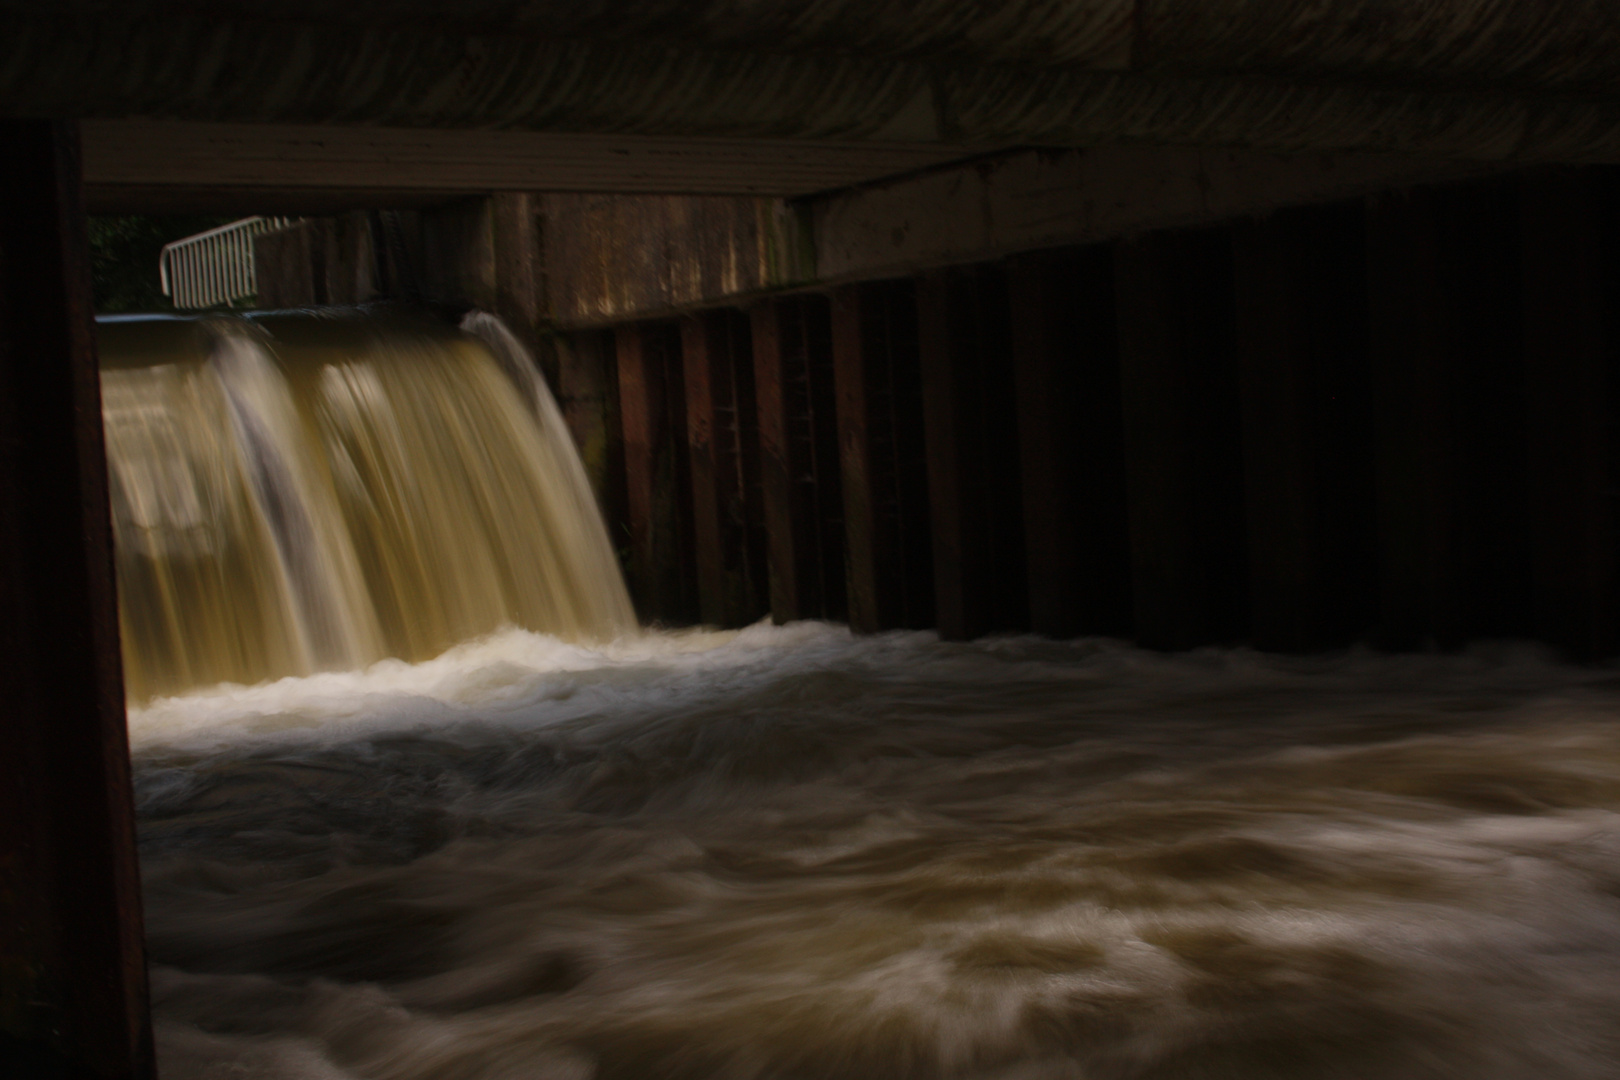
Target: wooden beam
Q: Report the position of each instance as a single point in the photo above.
(880, 438)
(1307, 445)
(718, 364)
(799, 458)
(657, 484)
(73, 998)
(1071, 442)
(1567, 218)
(973, 483)
(128, 160)
(1183, 458)
(588, 395)
(1445, 332)
(519, 265)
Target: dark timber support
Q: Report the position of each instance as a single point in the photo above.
(1071, 449)
(1445, 339)
(1299, 280)
(1412, 350)
(1570, 400)
(880, 440)
(963, 329)
(799, 467)
(657, 483)
(722, 433)
(72, 968)
(588, 395)
(519, 273)
(1182, 450)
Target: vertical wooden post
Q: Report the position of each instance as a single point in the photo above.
(1182, 451)
(1307, 450)
(519, 268)
(963, 336)
(799, 469)
(715, 352)
(866, 575)
(1569, 398)
(1066, 361)
(588, 395)
(1412, 344)
(72, 967)
(657, 485)
(885, 481)
(783, 554)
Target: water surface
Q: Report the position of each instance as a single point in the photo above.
(790, 853)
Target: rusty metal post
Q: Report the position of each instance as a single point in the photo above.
(1183, 460)
(963, 332)
(880, 440)
(799, 464)
(1071, 449)
(720, 407)
(657, 484)
(73, 996)
(1307, 448)
(1567, 217)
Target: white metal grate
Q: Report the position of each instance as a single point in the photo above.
(214, 267)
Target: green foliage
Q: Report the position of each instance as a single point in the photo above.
(124, 258)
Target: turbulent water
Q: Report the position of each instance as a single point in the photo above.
(789, 853)
(317, 491)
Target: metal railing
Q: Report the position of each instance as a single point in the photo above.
(215, 267)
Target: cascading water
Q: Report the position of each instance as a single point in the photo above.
(569, 853)
(309, 493)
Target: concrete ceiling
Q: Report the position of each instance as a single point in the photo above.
(782, 96)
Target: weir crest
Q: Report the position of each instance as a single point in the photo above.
(304, 492)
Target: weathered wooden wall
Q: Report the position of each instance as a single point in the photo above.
(1384, 419)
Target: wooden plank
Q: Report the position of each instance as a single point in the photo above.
(1307, 450)
(588, 395)
(883, 459)
(71, 942)
(698, 363)
(1183, 456)
(799, 458)
(1413, 349)
(714, 351)
(657, 484)
(393, 162)
(776, 465)
(641, 404)
(1066, 358)
(519, 271)
(1569, 400)
(1413, 352)
(971, 431)
(868, 573)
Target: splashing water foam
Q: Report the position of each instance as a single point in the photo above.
(789, 852)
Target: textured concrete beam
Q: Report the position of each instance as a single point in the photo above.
(1467, 43)
(1516, 81)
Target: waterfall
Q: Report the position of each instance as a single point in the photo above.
(311, 492)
